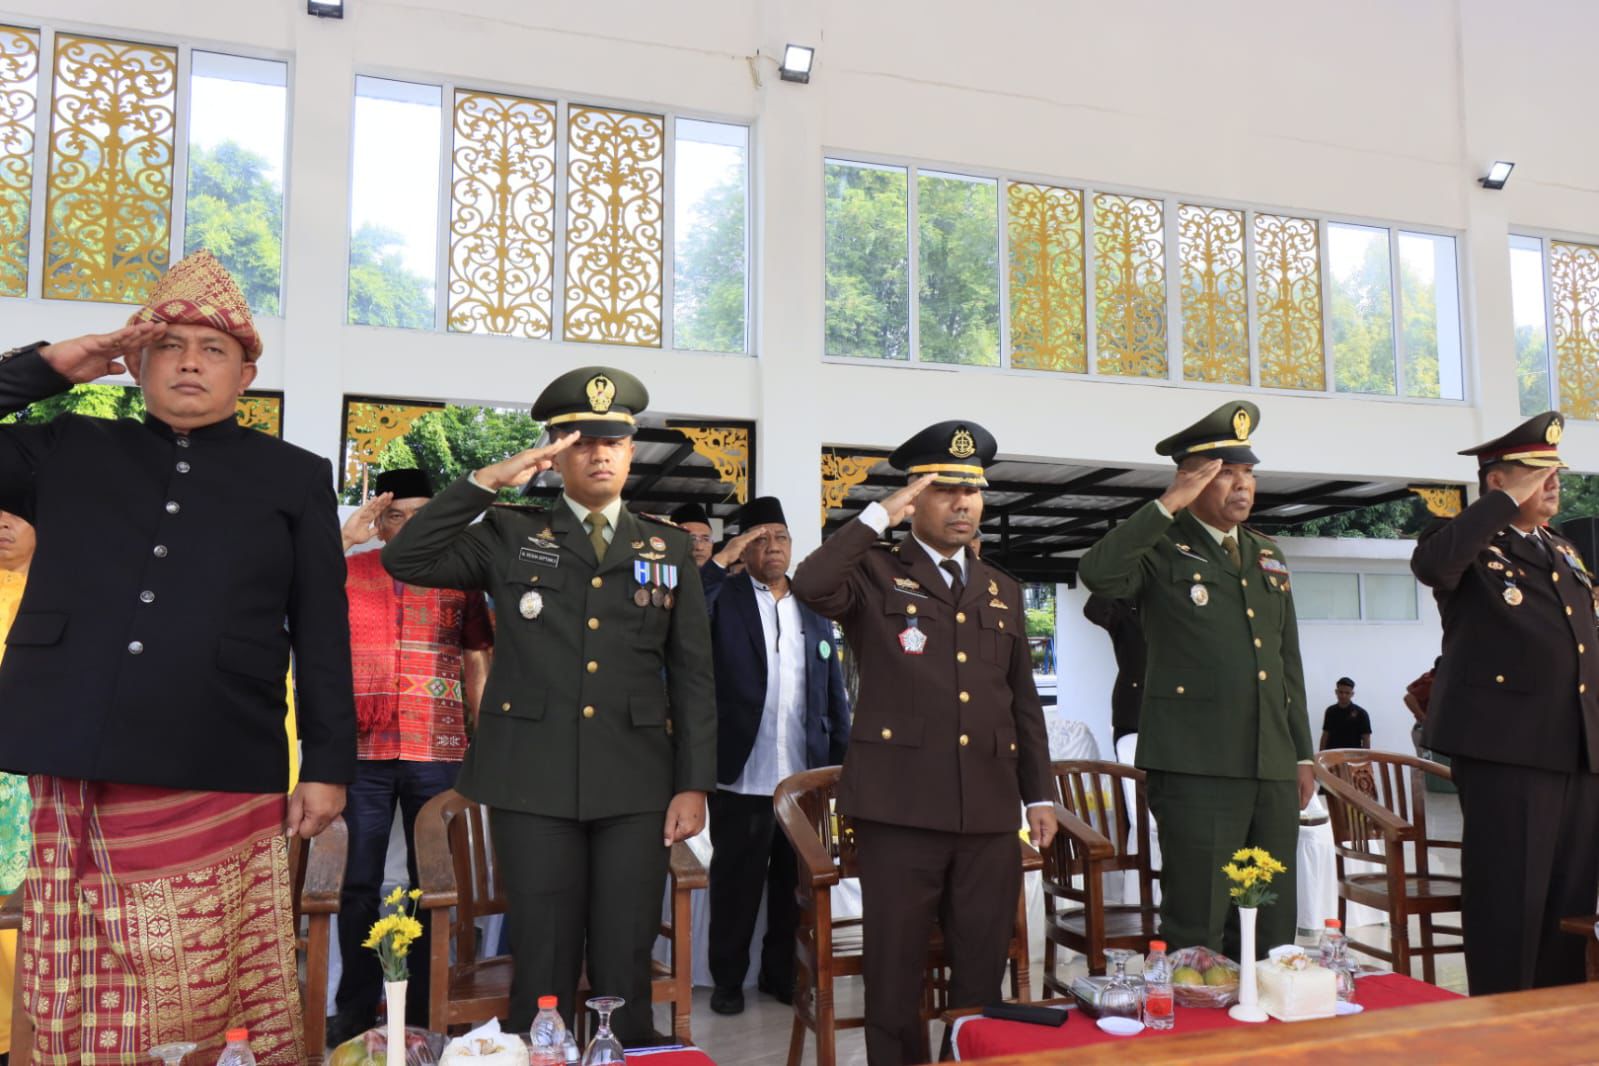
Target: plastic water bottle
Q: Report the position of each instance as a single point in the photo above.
(549, 1032)
(1159, 1006)
(569, 1051)
(1343, 968)
(237, 1052)
(1332, 934)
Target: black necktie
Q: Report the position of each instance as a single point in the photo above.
(956, 585)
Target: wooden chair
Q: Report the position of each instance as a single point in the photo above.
(826, 948)
(1583, 925)
(316, 880)
(1098, 835)
(1378, 803)
(456, 865)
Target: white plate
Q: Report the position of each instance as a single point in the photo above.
(1121, 1026)
(1349, 1008)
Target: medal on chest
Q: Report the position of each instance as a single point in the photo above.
(911, 639)
(531, 605)
(1199, 594)
(1512, 594)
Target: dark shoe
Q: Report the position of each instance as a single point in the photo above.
(652, 1039)
(344, 1025)
(784, 994)
(727, 1001)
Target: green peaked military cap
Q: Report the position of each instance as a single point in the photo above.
(1536, 442)
(1223, 434)
(597, 401)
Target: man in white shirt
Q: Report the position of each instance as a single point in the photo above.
(780, 709)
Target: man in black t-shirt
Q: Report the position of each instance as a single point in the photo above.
(1346, 723)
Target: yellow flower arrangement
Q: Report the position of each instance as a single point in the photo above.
(1250, 872)
(392, 935)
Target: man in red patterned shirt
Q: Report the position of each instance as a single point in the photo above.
(419, 659)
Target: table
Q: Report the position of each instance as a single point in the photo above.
(977, 1037)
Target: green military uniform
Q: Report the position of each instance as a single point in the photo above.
(1224, 721)
(599, 709)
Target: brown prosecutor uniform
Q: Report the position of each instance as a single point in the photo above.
(946, 745)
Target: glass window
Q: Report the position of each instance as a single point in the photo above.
(234, 208)
(1324, 597)
(710, 222)
(1429, 299)
(1361, 308)
(1389, 597)
(957, 299)
(19, 102)
(868, 261)
(394, 203)
(1529, 314)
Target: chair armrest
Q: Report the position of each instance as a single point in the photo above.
(435, 867)
(1091, 840)
(1031, 859)
(324, 871)
(813, 860)
(11, 911)
(687, 870)
(1393, 827)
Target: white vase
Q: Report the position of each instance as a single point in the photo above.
(1247, 1009)
(394, 991)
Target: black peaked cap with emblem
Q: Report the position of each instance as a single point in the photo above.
(597, 401)
(761, 511)
(958, 452)
(1223, 434)
(407, 483)
(691, 512)
(1536, 442)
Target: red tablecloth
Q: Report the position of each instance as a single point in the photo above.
(687, 1056)
(978, 1037)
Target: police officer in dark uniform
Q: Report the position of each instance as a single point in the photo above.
(948, 739)
(596, 743)
(1516, 704)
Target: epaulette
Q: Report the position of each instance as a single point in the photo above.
(1261, 534)
(1001, 569)
(524, 508)
(657, 519)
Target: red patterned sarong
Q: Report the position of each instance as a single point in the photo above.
(153, 915)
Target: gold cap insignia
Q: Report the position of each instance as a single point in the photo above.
(1555, 431)
(1241, 424)
(961, 445)
(601, 391)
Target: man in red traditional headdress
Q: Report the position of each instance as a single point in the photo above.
(142, 688)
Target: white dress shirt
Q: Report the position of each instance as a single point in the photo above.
(779, 748)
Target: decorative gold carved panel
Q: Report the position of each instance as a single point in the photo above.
(109, 209)
(1574, 292)
(502, 216)
(1047, 316)
(728, 449)
(19, 100)
(1288, 303)
(1129, 286)
(1444, 501)
(614, 209)
(262, 412)
(1210, 254)
(840, 473)
(369, 427)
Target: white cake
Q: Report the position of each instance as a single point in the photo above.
(1294, 989)
(486, 1046)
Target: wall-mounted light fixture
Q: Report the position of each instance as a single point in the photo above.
(325, 9)
(796, 64)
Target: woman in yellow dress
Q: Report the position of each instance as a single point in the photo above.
(16, 552)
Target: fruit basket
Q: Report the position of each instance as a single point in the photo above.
(1203, 978)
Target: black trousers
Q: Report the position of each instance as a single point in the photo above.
(579, 891)
(910, 879)
(751, 859)
(1529, 857)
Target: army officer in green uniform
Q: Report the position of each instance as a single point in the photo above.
(1224, 736)
(596, 744)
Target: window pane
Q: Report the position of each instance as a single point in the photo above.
(615, 171)
(1129, 286)
(1429, 298)
(710, 224)
(958, 269)
(394, 203)
(1210, 251)
(1327, 597)
(1389, 597)
(868, 261)
(1288, 303)
(1574, 287)
(1361, 309)
(109, 214)
(1047, 315)
(19, 101)
(502, 215)
(234, 206)
(445, 441)
(1532, 324)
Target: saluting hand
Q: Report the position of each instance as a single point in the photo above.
(1188, 484)
(733, 550)
(1525, 482)
(362, 526)
(520, 468)
(685, 817)
(901, 504)
(99, 355)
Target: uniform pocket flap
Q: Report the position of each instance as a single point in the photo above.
(905, 734)
(1505, 680)
(904, 604)
(37, 628)
(529, 705)
(1188, 571)
(1184, 685)
(997, 619)
(647, 710)
(252, 659)
(539, 577)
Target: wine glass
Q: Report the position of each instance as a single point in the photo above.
(172, 1054)
(604, 1048)
(1120, 998)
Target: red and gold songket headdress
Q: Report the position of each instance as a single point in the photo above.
(198, 291)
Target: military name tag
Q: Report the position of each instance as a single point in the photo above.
(539, 556)
(913, 640)
(1199, 594)
(531, 605)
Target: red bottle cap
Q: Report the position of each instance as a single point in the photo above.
(241, 1034)
(1334, 923)
(547, 1002)
(1157, 945)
